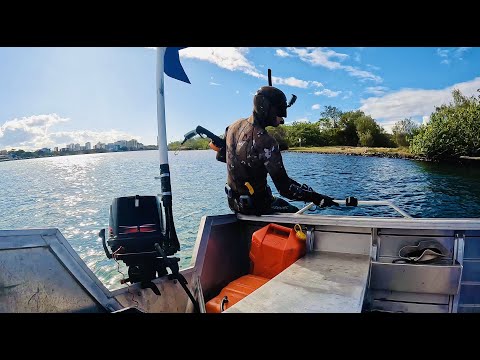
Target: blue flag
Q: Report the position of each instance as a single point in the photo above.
(172, 65)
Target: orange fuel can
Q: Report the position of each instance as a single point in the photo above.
(273, 249)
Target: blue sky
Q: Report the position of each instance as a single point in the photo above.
(55, 96)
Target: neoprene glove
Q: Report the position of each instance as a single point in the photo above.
(306, 193)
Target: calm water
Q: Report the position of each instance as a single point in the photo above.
(73, 193)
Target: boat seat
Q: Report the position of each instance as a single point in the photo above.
(324, 282)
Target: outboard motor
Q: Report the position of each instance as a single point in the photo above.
(136, 224)
(136, 236)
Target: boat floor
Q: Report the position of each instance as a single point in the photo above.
(318, 282)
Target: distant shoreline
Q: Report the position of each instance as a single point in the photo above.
(398, 153)
(394, 153)
(69, 154)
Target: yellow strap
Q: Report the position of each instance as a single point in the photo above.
(249, 187)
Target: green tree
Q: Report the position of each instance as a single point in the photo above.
(196, 143)
(308, 132)
(328, 132)
(403, 131)
(328, 124)
(280, 133)
(331, 113)
(370, 133)
(348, 124)
(453, 130)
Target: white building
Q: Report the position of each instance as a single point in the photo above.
(88, 146)
(120, 143)
(132, 144)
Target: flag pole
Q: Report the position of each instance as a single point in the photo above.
(162, 131)
(163, 151)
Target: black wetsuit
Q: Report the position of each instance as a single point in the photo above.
(250, 154)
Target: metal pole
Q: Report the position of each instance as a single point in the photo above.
(163, 151)
(162, 131)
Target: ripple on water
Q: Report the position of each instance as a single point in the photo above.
(73, 193)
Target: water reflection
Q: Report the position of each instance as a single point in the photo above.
(454, 190)
(73, 193)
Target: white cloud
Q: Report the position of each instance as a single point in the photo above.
(214, 83)
(461, 50)
(32, 133)
(448, 55)
(325, 57)
(317, 83)
(290, 81)
(234, 59)
(357, 57)
(425, 119)
(319, 56)
(408, 103)
(281, 53)
(347, 94)
(442, 52)
(328, 93)
(82, 136)
(376, 90)
(388, 125)
(229, 58)
(362, 74)
(315, 106)
(28, 130)
(458, 53)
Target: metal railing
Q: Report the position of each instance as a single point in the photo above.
(364, 203)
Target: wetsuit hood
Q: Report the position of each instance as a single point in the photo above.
(268, 104)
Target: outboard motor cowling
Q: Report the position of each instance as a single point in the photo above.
(136, 224)
(136, 236)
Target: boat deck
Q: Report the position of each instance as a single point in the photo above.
(323, 282)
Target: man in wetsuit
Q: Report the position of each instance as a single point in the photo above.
(251, 153)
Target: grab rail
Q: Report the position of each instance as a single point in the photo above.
(364, 202)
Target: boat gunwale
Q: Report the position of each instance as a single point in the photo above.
(370, 221)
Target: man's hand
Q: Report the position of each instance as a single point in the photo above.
(306, 193)
(323, 201)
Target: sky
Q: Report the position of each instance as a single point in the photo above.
(56, 96)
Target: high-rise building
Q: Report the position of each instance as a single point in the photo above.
(132, 144)
(88, 146)
(120, 143)
(55, 149)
